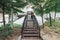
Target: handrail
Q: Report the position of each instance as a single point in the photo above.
(38, 28)
(37, 25)
(23, 27)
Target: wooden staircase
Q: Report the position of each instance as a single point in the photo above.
(30, 29)
(30, 32)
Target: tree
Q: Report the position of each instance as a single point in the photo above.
(57, 3)
(11, 5)
(51, 5)
(2, 6)
(48, 8)
(15, 6)
(38, 9)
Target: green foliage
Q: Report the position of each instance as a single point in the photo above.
(54, 23)
(36, 7)
(57, 23)
(5, 31)
(15, 10)
(35, 2)
(48, 22)
(52, 5)
(37, 11)
(17, 25)
(10, 4)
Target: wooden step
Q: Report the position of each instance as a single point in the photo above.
(30, 35)
(30, 32)
(30, 29)
(31, 38)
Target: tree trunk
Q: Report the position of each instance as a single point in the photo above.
(55, 13)
(11, 17)
(55, 16)
(42, 16)
(50, 19)
(42, 22)
(3, 15)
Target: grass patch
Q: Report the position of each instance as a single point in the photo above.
(48, 22)
(54, 23)
(17, 25)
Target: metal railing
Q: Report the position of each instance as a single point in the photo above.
(38, 28)
(25, 24)
(23, 27)
(37, 25)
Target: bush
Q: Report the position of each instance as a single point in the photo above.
(5, 31)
